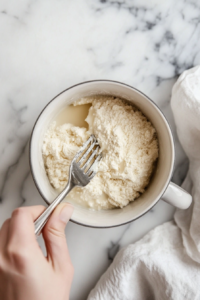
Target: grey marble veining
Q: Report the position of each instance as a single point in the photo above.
(47, 46)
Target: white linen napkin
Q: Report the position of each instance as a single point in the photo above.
(165, 264)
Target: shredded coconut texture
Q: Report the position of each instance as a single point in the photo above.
(129, 145)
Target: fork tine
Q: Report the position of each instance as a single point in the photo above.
(92, 175)
(83, 147)
(87, 152)
(90, 158)
(97, 159)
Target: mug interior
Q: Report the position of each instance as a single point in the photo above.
(162, 175)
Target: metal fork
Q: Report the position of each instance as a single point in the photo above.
(82, 169)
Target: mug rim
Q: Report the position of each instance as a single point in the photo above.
(126, 85)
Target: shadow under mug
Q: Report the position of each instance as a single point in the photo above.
(160, 186)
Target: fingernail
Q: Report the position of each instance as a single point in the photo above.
(66, 213)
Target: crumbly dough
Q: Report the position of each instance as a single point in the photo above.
(130, 149)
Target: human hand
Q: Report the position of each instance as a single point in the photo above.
(25, 273)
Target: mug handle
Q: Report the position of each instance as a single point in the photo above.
(177, 196)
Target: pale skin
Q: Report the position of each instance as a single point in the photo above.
(25, 273)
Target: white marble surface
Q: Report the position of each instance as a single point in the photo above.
(47, 46)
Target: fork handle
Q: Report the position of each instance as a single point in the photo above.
(43, 218)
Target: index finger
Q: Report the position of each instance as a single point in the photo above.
(21, 229)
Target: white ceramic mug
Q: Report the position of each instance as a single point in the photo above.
(160, 186)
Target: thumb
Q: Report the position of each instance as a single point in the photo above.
(54, 235)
